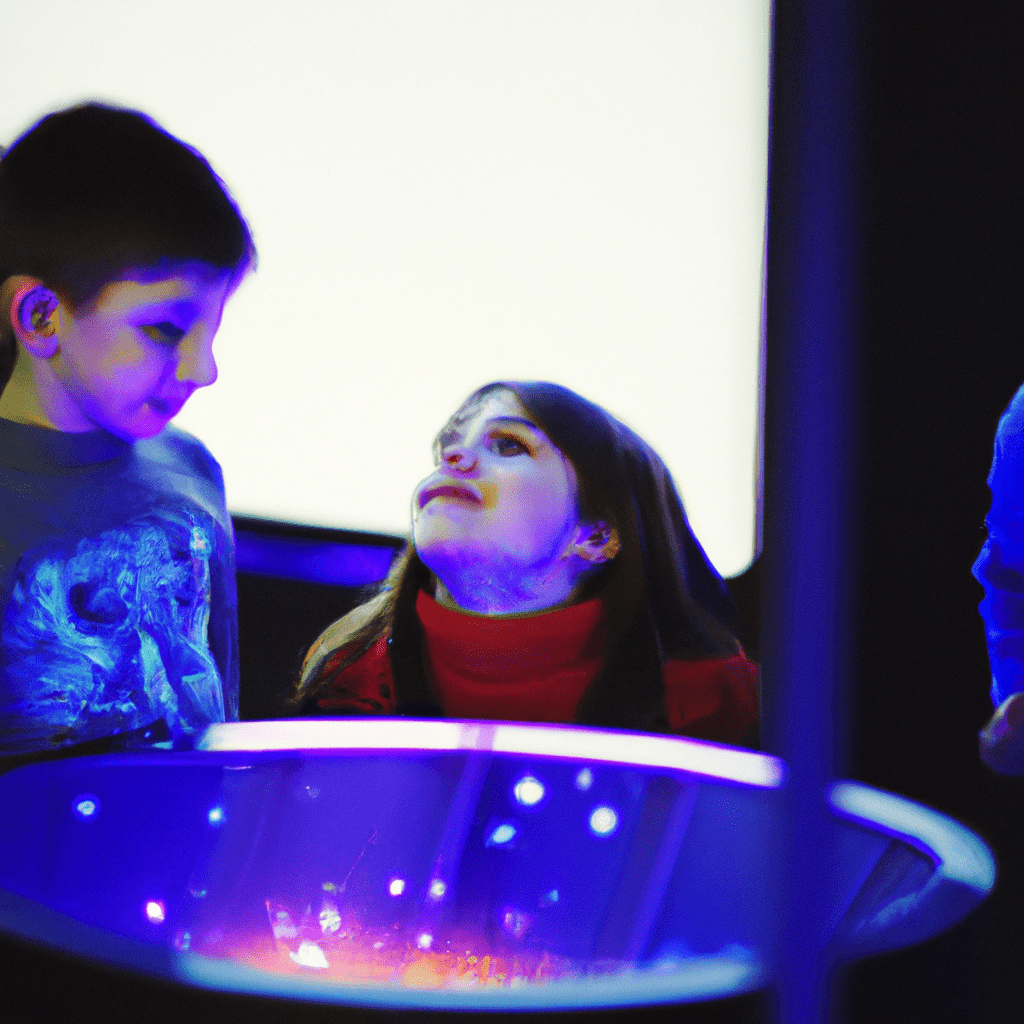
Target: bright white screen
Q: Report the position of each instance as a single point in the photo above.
(448, 192)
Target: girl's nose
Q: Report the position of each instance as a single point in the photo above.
(460, 459)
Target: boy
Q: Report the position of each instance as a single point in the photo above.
(119, 247)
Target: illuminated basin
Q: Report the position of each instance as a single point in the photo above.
(454, 865)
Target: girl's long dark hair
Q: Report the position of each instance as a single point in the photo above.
(662, 597)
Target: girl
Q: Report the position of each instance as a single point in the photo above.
(551, 577)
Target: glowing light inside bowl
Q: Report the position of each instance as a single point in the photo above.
(603, 821)
(529, 791)
(155, 912)
(437, 889)
(584, 779)
(501, 835)
(515, 922)
(397, 886)
(216, 815)
(309, 954)
(87, 807)
(330, 920)
(420, 959)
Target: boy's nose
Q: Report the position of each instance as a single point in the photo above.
(196, 364)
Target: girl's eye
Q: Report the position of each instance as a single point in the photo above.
(506, 444)
(165, 333)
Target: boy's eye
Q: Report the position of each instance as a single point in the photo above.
(507, 444)
(164, 332)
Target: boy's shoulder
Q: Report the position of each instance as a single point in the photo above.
(29, 448)
(1014, 411)
(182, 451)
(60, 488)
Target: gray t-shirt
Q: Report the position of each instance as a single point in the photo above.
(117, 587)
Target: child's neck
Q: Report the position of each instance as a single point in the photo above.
(20, 400)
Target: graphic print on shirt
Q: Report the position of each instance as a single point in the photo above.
(110, 634)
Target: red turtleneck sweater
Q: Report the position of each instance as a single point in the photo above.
(536, 668)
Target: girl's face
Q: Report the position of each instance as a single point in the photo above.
(501, 507)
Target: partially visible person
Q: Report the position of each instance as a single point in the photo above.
(999, 568)
(119, 247)
(551, 577)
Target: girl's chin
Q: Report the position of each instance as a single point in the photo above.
(440, 536)
(447, 556)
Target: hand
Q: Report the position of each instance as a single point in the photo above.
(1001, 742)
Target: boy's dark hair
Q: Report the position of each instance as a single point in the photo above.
(93, 191)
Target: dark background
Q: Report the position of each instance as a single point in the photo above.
(942, 352)
(941, 299)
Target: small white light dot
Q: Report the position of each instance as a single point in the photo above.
(584, 779)
(216, 815)
(330, 920)
(501, 835)
(603, 821)
(424, 941)
(155, 912)
(87, 807)
(515, 922)
(397, 886)
(437, 888)
(309, 954)
(529, 791)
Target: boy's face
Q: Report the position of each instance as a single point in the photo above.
(131, 358)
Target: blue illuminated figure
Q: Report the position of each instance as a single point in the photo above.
(119, 248)
(999, 568)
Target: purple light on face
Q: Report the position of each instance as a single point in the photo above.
(155, 912)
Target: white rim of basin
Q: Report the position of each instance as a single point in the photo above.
(698, 757)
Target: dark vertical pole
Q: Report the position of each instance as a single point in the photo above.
(810, 398)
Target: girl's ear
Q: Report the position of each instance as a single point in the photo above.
(596, 543)
(34, 313)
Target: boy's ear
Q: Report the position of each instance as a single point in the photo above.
(596, 543)
(34, 313)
